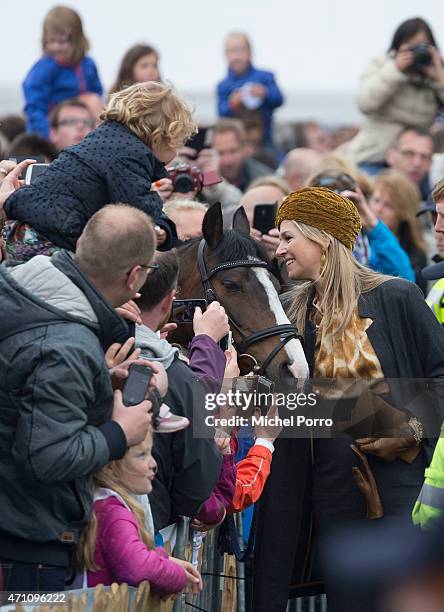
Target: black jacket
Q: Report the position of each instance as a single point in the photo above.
(56, 402)
(409, 343)
(188, 465)
(110, 165)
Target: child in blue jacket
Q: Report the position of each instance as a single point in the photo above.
(64, 71)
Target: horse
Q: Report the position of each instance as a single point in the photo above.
(231, 267)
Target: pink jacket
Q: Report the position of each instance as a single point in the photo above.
(214, 509)
(123, 557)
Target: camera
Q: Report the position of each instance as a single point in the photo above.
(186, 177)
(421, 55)
(259, 388)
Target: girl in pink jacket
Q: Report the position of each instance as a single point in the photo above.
(116, 546)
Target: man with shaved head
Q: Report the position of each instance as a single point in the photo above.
(298, 165)
(60, 421)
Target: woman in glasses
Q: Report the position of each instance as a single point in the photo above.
(404, 88)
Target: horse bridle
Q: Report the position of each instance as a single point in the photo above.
(286, 332)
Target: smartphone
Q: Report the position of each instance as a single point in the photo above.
(183, 310)
(40, 159)
(264, 217)
(136, 385)
(32, 172)
(227, 342)
(201, 140)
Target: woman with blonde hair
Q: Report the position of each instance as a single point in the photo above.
(395, 201)
(143, 127)
(357, 324)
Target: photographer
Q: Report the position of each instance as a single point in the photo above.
(403, 88)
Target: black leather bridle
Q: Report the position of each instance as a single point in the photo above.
(286, 332)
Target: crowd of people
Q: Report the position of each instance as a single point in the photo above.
(90, 487)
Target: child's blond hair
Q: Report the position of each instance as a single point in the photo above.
(64, 21)
(154, 112)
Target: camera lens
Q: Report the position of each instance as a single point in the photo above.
(183, 183)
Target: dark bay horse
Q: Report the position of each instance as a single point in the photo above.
(232, 267)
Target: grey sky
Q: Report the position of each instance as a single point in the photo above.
(309, 44)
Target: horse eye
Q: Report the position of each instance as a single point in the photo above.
(230, 285)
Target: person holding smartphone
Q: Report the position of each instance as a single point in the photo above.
(68, 420)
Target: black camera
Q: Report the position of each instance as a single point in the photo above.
(422, 56)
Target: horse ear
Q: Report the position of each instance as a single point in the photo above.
(213, 225)
(240, 221)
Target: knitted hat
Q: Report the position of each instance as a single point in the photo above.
(324, 209)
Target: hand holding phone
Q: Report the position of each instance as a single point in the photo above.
(32, 172)
(183, 310)
(136, 385)
(264, 217)
(213, 322)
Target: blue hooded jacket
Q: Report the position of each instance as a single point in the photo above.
(233, 81)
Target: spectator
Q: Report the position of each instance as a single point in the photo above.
(139, 64)
(235, 165)
(65, 71)
(207, 160)
(298, 165)
(376, 246)
(119, 159)
(70, 121)
(189, 466)
(404, 88)
(267, 193)
(395, 201)
(116, 546)
(411, 155)
(437, 169)
(58, 431)
(32, 145)
(246, 87)
(310, 135)
(435, 298)
(11, 126)
(188, 216)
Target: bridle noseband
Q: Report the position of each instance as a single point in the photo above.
(286, 332)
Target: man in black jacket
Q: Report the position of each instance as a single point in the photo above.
(188, 466)
(59, 421)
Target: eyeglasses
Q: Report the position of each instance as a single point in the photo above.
(87, 123)
(150, 266)
(408, 154)
(338, 182)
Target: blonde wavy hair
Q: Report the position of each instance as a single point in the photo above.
(154, 112)
(343, 280)
(108, 478)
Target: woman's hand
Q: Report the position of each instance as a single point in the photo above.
(435, 72)
(368, 217)
(404, 58)
(194, 578)
(390, 449)
(161, 235)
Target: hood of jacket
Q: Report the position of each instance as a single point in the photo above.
(47, 290)
(153, 347)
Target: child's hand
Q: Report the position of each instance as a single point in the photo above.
(161, 235)
(164, 187)
(222, 440)
(231, 369)
(193, 576)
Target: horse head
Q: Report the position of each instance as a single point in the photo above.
(234, 269)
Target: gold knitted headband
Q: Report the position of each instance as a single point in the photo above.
(322, 208)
